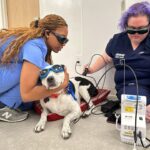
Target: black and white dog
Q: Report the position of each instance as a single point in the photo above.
(65, 102)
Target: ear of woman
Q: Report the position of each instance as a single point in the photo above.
(47, 33)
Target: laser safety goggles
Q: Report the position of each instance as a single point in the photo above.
(139, 31)
(55, 69)
(61, 39)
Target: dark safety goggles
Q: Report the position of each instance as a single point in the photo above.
(61, 39)
(55, 68)
(139, 31)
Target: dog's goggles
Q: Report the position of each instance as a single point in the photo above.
(55, 68)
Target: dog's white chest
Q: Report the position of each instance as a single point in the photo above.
(61, 105)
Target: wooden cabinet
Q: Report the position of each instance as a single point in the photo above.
(21, 12)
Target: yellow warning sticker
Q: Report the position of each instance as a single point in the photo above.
(129, 109)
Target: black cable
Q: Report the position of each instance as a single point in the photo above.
(105, 68)
(93, 110)
(137, 95)
(140, 136)
(75, 121)
(96, 85)
(86, 69)
(136, 82)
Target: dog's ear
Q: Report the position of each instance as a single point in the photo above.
(63, 66)
(39, 81)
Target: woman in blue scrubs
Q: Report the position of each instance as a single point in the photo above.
(132, 47)
(23, 53)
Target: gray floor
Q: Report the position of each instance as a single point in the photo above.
(92, 133)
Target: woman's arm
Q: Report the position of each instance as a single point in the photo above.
(100, 63)
(29, 89)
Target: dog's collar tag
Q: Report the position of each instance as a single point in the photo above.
(70, 90)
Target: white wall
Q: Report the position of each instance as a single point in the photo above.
(70, 10)
(91, 24)
(100, 22)
(128, 3)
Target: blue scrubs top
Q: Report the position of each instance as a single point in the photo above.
(119, 49)
(34, 51)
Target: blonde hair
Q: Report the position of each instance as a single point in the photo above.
(22, 35)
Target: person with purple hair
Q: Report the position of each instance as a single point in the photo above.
(131, 48)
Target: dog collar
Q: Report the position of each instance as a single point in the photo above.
(54, 95)
(69, 90)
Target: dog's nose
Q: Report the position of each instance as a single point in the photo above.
(50, 79)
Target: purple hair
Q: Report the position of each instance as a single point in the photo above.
(136, 9)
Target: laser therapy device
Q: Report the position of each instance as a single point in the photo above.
(128, 114)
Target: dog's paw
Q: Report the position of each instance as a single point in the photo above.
(39, 127)
(86, 114)
(66, 132)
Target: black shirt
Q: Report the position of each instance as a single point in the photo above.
(120, 50)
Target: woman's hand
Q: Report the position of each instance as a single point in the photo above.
(86, 70)
(148, 113)
(66, 79)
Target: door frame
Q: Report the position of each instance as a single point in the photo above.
(3, 14)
